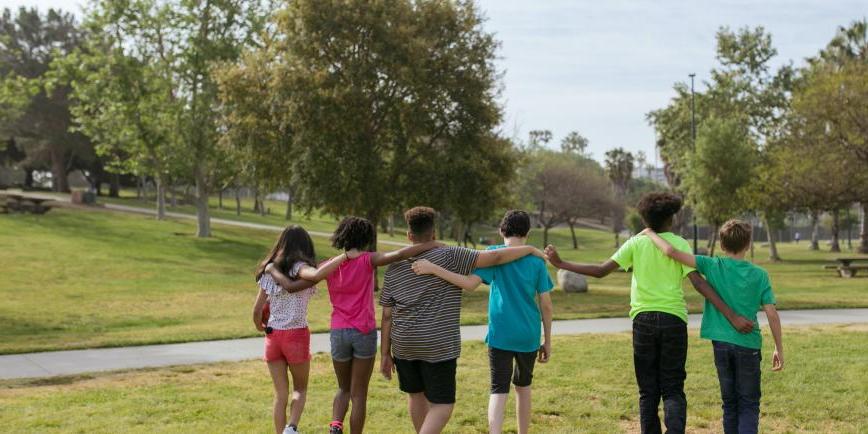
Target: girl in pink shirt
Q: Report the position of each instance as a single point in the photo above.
(353, 327)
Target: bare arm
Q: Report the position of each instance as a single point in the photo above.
(324, 269)
(261, 298)
(387, 365)
(594, 270)
(775, 324)
(288, 285)
(490, 258)
(378, 259)
(545, 305)
(740, 323)
(670, 251)
(468, 283)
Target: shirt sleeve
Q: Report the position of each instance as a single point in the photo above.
(295, 269)
(486, 274)
(463, 260)
(766, 295)
(624, 255)
(386, 298)
(267, 284)
(544, 281)
(702, 264)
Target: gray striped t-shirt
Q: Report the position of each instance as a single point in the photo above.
(426, 310)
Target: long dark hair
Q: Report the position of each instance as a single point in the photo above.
(354, 233)
(294, 245)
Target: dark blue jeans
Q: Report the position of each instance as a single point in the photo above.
(659, 356)
(738, 369)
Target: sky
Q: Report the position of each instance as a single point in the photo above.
(597, 67)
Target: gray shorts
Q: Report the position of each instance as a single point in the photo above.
(351, 343)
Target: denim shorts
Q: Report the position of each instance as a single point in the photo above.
(351, 343)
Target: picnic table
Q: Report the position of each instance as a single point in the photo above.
(16, 202)
(846, 266)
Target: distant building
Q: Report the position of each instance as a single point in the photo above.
(655, 174)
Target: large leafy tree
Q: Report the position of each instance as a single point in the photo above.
(35, 115)
(383, 97)
(619, 168)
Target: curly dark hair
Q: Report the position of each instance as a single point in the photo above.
(420, 219)
(658, 208)
(354, 233)
(515, 223)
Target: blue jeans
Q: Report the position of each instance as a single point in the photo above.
(738, 369)
(659, 356)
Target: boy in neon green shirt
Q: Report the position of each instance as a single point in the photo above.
(737, 356)
(659, 312)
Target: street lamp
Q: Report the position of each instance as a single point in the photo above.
(693, 139)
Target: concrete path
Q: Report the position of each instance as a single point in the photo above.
(56, 363)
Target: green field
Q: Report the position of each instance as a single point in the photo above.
(78, 279)
(588, 387)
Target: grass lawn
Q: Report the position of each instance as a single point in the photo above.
(588, 387)
(74, 279)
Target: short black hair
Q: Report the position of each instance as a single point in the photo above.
(515, 223)
(420, 219)
(354, 233)
(658, 208)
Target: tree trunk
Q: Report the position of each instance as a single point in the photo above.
(238, 201)
(573, 233)
(773, 246)
(220, 199)
(815, 231)
(713, 243)
(140, 187)
(115, 185)
(617, 239)
(374, 219)
(59, 181)
(161, 197)
(203, 220)
(391, 224)
(545, 235)
(836, 247)
(288, 204)
(28, 178)
(849, 229)
(863, 229)
(174, 196)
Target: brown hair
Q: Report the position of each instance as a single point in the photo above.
(420, 219)
(735, 235)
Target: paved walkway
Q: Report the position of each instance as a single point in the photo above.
(57, 363)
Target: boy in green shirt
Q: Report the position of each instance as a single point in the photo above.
(737, 356)
(659, 312)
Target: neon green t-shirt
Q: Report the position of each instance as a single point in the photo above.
(656, 284)
(744, 287)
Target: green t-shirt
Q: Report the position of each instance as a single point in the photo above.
(656, 285)
(744, 287)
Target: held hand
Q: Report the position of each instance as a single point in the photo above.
(387, 366)
(423, 266)
(742, 324)
(646, 231)
(269, 267)
(552, 255)
(353, 254)
(539, 254)
(777, 361)
(545, 352)
(438, 244)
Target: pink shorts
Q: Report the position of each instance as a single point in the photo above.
(292, 346)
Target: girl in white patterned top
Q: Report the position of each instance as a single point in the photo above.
(287, 339)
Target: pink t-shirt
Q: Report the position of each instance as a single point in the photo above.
(351, 291)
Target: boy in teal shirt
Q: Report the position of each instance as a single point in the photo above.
(745, 287)
(659, 312)
(514, 319)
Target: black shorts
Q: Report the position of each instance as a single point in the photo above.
(500, 362)
(435, 380)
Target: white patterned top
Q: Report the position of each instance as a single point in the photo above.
(288, 309)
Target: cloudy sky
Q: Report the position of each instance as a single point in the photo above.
(598, 66)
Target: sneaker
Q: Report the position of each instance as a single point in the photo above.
(290, 430)
(336, 427)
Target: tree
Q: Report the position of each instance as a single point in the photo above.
(585, 192)
(380, 95)
(30, 42)
(619, 167)
(539, 138)
(574, 143)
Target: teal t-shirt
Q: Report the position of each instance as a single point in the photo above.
(513, 314)
(744, 287)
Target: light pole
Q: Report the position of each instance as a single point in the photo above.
(693, 143)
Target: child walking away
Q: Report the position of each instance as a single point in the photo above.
(287, 339)
(518, 301)
(353, 325)
(659, 312)
(737, 356)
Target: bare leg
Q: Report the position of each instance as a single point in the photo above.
(281, 393)
(496, 410)
(437, 418)
(522, 408)
(362, 369)
(418, 409)
(300, 374)
(341, 403)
